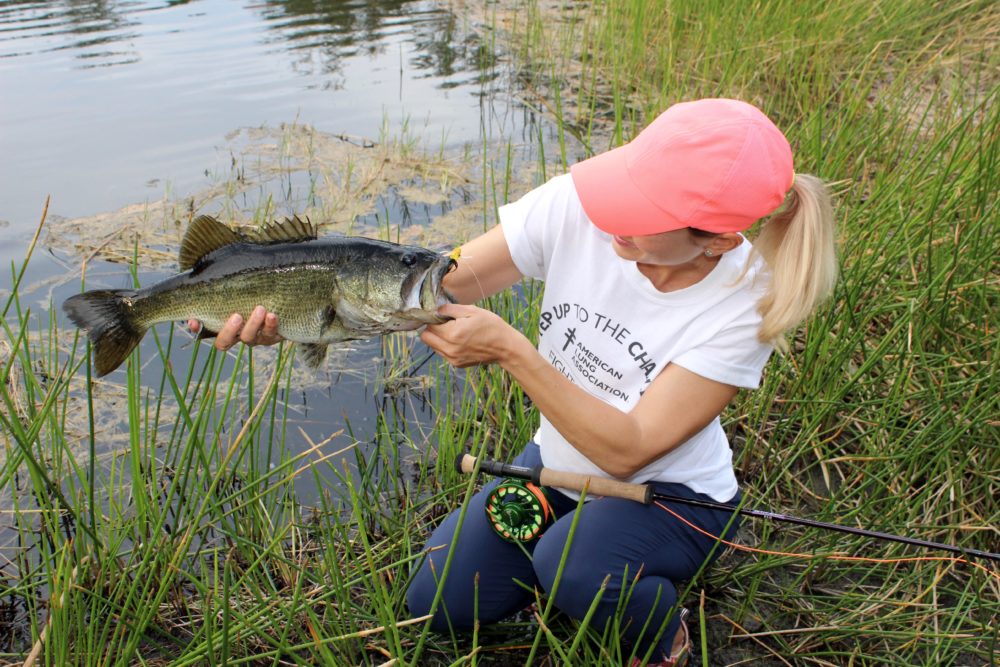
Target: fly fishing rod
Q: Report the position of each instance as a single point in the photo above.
(513, 508)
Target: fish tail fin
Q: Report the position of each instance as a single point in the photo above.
(110, 323)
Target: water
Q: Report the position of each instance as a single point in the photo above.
(109, 104)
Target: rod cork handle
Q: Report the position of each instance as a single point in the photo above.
(596, 486)
(572, 481)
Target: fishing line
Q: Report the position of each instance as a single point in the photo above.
(455, 254)
(837, 557)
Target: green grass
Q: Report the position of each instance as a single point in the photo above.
(203, 537)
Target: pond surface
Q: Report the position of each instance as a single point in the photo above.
(110, 105)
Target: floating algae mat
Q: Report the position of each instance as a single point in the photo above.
(340, 183)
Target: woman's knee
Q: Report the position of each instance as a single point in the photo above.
(474, 590)
(576, 585)
(480, 582)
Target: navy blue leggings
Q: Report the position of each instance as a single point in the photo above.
(613, 537)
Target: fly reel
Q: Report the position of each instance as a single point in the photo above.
(518, 510)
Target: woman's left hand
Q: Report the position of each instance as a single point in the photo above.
(475, 336)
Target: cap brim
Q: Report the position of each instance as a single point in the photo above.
(612, 201)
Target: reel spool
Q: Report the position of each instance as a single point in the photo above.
(518, 510)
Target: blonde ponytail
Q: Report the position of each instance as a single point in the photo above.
(797, 242)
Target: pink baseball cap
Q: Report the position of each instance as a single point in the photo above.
(714, 164)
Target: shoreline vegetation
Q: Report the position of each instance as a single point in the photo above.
(166, 519)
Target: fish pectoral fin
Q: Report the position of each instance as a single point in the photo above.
(204, 235)
(289, 230)
(354, 317)
(314, 354)
(327, 320)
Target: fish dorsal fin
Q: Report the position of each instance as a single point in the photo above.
(290, 230)
(206, 234)
(203, 236)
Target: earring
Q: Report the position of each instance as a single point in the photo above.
(708, 253)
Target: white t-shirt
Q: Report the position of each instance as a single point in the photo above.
(609, 330)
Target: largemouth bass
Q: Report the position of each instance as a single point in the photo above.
(322, 290)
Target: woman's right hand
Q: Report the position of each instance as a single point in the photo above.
(472, 336)
(260, 329)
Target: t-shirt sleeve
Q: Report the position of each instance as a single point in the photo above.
(532, 224)
(733, 356)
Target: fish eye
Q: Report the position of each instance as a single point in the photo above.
(409, 259)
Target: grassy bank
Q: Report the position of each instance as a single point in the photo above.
(199, 536)
(885, 413)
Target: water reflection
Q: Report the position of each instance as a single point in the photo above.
(127, 97)
(324, 33)
(99, 33)
(321, 33)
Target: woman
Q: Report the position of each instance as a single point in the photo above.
(656, 312)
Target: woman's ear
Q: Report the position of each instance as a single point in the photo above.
(723, 243)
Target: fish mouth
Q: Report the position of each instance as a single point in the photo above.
(441, 295)
(428, 293)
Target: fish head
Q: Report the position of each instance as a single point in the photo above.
(400, 289)
(422, 290)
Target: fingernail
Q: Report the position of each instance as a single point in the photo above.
(236, 320)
